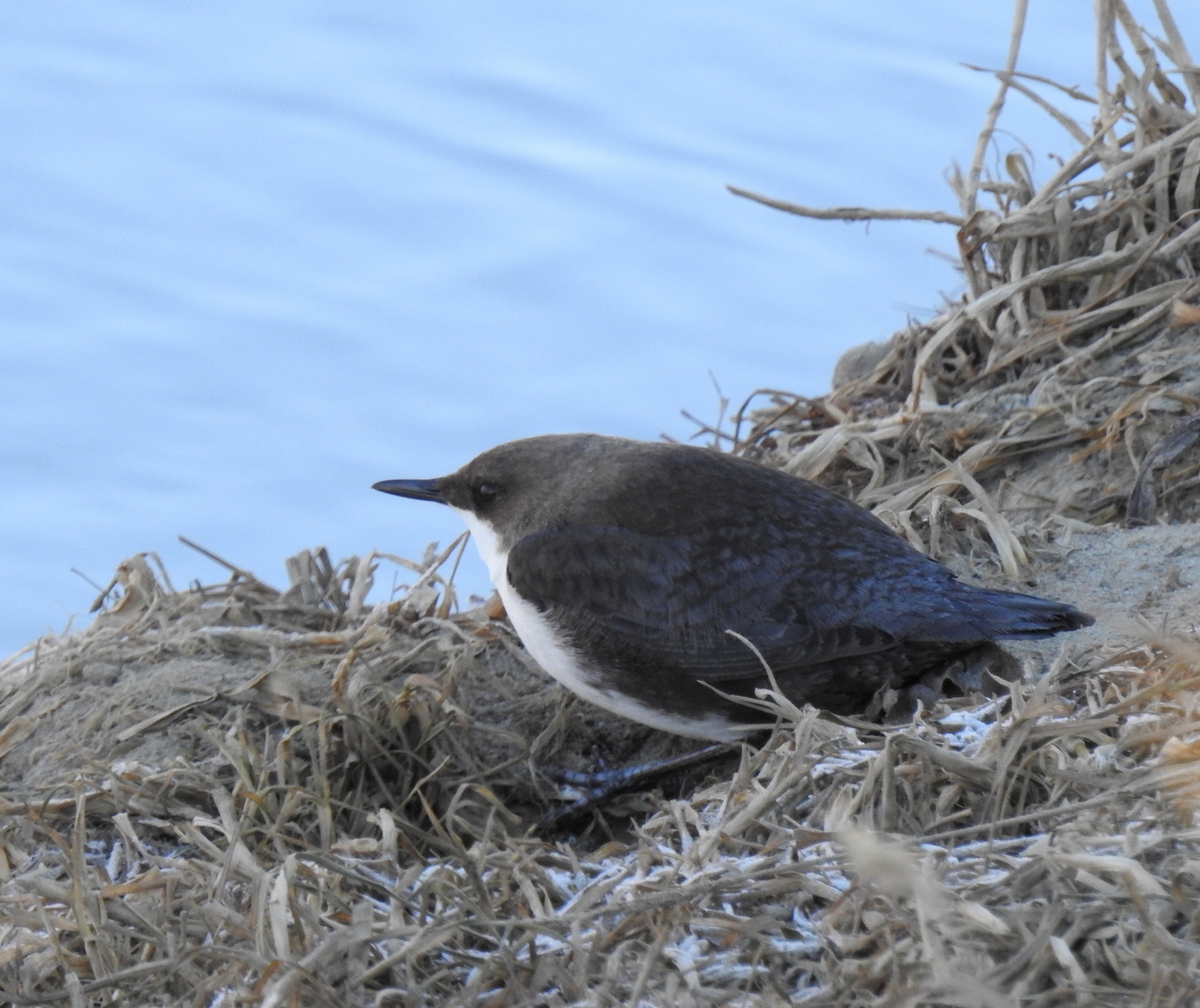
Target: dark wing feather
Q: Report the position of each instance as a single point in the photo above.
(837, 585)
(647, 601)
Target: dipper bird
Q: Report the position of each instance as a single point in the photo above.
(623, 563)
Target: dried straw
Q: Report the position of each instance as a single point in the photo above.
(1064, 379)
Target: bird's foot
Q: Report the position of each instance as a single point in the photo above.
(583, 791)
(983, 670)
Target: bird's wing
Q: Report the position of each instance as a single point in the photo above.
(648, 601)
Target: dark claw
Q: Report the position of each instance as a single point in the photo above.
(602, 784)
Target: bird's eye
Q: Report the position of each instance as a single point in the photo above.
(485, 493)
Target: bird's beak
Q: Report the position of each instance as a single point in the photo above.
(416, 489)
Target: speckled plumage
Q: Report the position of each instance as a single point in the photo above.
(638, 557)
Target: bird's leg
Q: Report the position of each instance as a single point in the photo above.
(982, 669)
(978, 670)
(584, 791)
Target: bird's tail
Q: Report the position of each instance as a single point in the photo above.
(1016, 616)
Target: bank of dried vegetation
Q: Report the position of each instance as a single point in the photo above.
(236, 796)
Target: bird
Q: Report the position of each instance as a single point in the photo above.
(667, 582)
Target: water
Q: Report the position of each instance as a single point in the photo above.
(255, 256)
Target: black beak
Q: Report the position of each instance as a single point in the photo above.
(416, 489)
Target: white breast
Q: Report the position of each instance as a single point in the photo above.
(565, 664)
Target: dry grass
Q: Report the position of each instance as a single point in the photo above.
(1035, 849)
(1065, 379)
(235, 796)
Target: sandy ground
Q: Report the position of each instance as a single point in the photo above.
(1141, 584)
